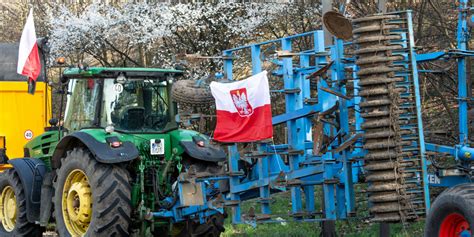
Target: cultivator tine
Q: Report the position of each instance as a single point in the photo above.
(321, 72)
(349, 142)
(318, 135)
(336, 93)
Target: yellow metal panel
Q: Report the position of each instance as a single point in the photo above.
(22, 113)
(2, 142)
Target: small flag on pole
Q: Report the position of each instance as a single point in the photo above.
(28, 56)
(243, 110)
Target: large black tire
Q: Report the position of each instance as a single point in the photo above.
(186, 92)
(111, 193)
(9, 178)
(454, 204)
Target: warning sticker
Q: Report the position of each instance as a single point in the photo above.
(28, 134)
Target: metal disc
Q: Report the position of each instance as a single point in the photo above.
(338, 25)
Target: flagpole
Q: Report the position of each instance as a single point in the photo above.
(43, 51)
(29, 60)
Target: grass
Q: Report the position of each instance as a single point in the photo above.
(350, 228)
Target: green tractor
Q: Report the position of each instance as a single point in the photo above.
(113, 163)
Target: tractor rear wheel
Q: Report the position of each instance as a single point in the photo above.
(91, 199)
(13, 207)
(452, 213)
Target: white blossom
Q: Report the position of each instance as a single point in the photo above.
(131, 34)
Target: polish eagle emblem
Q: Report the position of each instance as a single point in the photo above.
(241, 102)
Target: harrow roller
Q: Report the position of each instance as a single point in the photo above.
(387, 117)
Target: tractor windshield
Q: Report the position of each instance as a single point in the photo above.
(139, 106)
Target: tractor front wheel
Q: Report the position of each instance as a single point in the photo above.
(13, 207)
(91, 199)
(452, 213)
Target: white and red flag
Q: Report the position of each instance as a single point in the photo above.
(28, 56)
(243, 109)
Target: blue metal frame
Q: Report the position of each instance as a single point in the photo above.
(421, 136)
(462, 37)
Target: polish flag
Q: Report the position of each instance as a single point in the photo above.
(243, 110)
(28, 57)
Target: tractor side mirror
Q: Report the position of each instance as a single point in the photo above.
(64, 80)
(121, 78)
(53, 122)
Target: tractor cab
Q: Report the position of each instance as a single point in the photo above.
(131, 100)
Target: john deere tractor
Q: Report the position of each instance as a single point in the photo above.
(115, 165)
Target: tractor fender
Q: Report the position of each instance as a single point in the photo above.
(102, 152)
(31, 172)
(207, 153)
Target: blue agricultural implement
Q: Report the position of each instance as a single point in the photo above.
(119, 165)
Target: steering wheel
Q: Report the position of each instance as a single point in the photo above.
(150, 119)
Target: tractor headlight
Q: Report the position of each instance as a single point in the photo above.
(113, 142)
(109, 129)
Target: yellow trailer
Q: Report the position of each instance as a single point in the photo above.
(22, 115)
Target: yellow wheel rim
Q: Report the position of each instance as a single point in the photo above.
(8, 208)
(77, 203)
